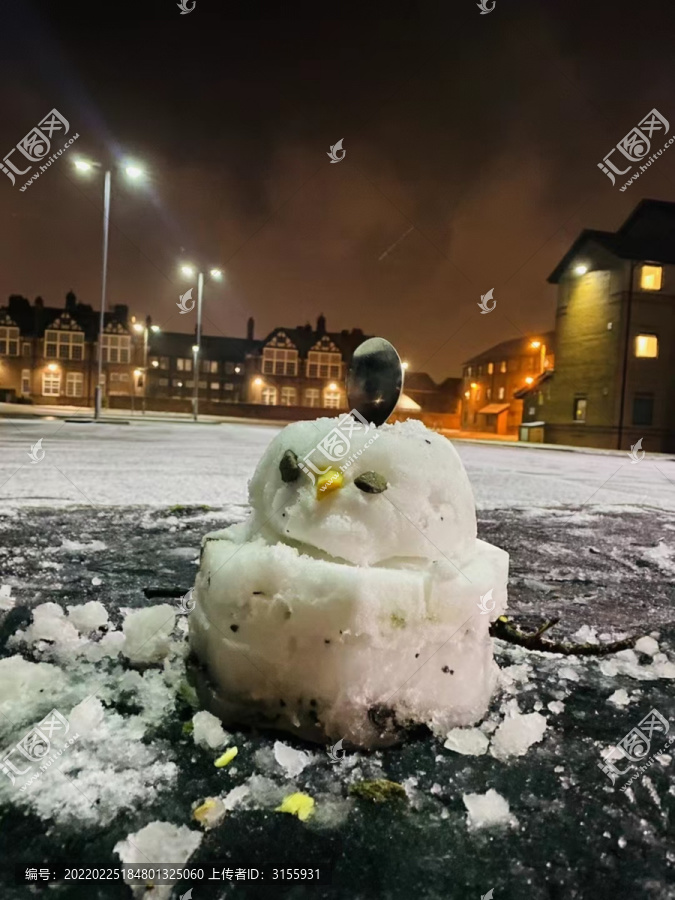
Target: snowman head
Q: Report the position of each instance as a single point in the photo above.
(365, 495)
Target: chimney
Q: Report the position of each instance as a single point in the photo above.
(321, 324)
(250, 325)
(71, 301)
(121, 312)
(39, 302)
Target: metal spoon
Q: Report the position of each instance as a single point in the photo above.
(375, 380)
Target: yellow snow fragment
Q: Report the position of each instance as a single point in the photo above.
(226, 758)
(331, 480)
(298, 804)
(210, 812)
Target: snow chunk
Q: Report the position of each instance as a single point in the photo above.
(487, 810)
(517, 733)
(468, 741)
(74, 546)
(208, 731)
(49, 624)
(619, 698)
(158, 842)
(586, 635)
(147, 633)
(27, 689)
(293, 761)
(566, 673)
(6, 600)
(86, 716)
(236, 796)
(647, 645)
(88, 616)
(555, 706)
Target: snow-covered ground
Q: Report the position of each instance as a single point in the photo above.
(182, 463)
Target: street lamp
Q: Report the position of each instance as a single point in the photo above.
(134, 173)
(188, 271)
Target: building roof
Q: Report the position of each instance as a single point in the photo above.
(419, 381)
(304, 337)
(33, 320)
(536, 384)
(213, 347)
(510, 349)
(647, 234)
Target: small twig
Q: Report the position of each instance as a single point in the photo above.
(503, 629)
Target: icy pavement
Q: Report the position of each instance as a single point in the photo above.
(168, 464)
(531, 817)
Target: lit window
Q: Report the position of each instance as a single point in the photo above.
(215, 385)
(51, 384)
(491, 368)
(331, 399)
(580, 405)
(502, 366)
(312, 397)
(467, 394)
(9, 341)
(323, 365)
(288, 396)
(651, 278)
(64, 344)
(500, 393)
(25, 381)
(74, 384)
(279, 362)
(269, 396)
(647, 345)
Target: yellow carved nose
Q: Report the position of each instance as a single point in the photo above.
(332, 480)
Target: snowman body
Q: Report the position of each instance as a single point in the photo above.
(349, 605)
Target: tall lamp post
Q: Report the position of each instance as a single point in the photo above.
(189, 272)
(134, 173)
(139, 328)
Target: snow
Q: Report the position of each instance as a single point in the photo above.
(517, 733)
(208, 732)
(157, 843)
(468, 741)
(647, 645)
(619, 698)
(291, 760)
(147, 633)
(487, 810)
(6, 600)
(212, 463)
(88, 617)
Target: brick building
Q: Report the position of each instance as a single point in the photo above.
(48, 355)
(492, 382)
(614, 380)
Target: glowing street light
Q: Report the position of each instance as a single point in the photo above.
(474, 385)
(257, 382)
(134, 173)
(404, 365)
(535, 344)
(580, 270)
(529, 380)
(188, 271)
(138, 327)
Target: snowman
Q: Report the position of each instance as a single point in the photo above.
(353, 604)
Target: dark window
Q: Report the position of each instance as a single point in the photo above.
(580, 404)
(643, 409)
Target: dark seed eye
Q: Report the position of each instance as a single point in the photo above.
(371, 483)
(289, 468)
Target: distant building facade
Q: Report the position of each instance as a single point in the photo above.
(49, 355)
(492, 382)
(614, 379)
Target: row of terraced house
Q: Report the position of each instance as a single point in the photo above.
(49, 355)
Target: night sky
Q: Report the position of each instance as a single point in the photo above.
(472, 148)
